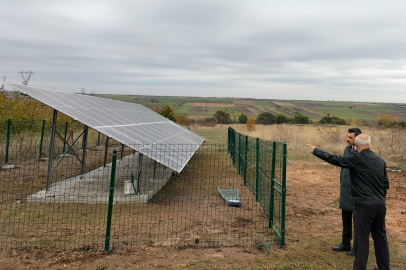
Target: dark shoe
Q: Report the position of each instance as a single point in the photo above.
(341, 247)
(351, 253)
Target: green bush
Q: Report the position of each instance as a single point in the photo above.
(281, 119)
(266, 118)
(332, 120)
(242, 119)
(222, 117)
(301, 119)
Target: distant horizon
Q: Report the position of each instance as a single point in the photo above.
(249, 98)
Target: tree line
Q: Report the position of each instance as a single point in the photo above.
(265, 118)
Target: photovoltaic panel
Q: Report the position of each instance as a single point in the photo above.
(131, 124)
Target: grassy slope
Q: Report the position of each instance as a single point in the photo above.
(182, 105)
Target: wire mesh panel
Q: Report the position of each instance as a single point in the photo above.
(71, 214)
(262, 164)
(189, 211)
(153, 205)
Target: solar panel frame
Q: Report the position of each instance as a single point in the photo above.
(145, 131)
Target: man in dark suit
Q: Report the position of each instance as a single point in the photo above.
(369, 184)
(346, 201)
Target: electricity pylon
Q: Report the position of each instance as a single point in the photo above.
(25, 80)
(2, 86)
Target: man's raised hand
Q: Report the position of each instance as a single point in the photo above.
(311, 147)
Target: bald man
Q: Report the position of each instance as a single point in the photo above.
(369, 184)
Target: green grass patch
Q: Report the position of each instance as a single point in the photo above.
(183, 109)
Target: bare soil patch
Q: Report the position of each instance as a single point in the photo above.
(309, 112)
(247, 109)
(228, 105)
(284, 104)
(245, 102)
(198, 109)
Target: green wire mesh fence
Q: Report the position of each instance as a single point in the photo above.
(153, 205)
(262, 165)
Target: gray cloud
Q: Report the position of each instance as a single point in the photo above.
(292, 50)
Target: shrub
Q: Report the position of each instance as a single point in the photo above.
(222, 117)
(332, 120)
(242, 119)
(387, 120)
(266, 118)
(250, 124)
(182, 120)
(281, 119)
(301, 119)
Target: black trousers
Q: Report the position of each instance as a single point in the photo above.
(347, 227)
(370, 219)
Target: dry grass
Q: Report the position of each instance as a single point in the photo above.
(390, 143)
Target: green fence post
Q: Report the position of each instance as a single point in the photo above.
(64, 139)
(42, 138)
(285, 154)
(233, 146)
(228, 140)
(8, 138)
(239, 153)
(111, 199)
(245, 161)
(257, 172)
(272, 195)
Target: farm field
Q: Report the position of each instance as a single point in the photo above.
(205, 106)
(312, 220)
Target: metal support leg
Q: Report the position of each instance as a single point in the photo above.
(154, 170)
(139, 173)
(105, 151)
(51, 152)
(64, 138)
(42, 138)
(122, 151)
(82, 171)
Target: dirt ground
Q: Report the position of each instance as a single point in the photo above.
(313, 224)
(246, 109)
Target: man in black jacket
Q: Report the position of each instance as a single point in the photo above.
(369, 184)
(346, 200)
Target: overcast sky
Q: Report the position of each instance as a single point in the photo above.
(317, 50)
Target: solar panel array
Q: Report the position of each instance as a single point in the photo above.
(131, 124)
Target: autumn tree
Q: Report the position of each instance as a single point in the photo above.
(356, 122)
(168, 112)
(182, 119)
(250, 124)
(27, 114)
(387, 120)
